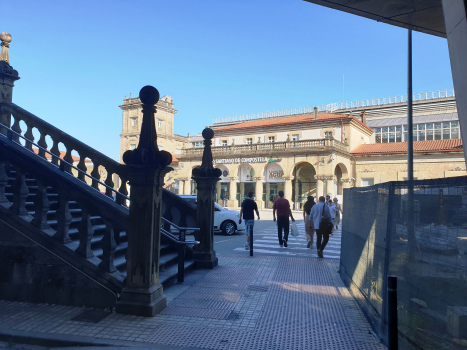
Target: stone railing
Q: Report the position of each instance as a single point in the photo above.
(318, 144)
(175, 209)
(86, 153)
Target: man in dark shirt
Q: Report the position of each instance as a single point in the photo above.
(282, 206)
(248, 208)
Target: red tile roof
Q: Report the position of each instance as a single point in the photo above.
(300, 119)
(454, 145)
(175, 158)
(62, 155)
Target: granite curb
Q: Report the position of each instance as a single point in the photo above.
(69, 341)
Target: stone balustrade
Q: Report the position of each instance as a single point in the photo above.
(305, 145)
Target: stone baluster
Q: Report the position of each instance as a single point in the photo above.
(146, 168)
(82, 166)
(63, 219)
(42, 143)
(16, 128)
(8, 76)
(3, 182)
(55, 151)
(68, 158)
(95, 174)
(206, 177)
(20, 193)
(109, 182)
(86, 231)
(41, 206)
(29, 137)
(123, 190)
(108, 246)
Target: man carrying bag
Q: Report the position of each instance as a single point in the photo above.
(321, 215)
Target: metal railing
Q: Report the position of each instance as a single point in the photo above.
(181, 242)
(331, 107)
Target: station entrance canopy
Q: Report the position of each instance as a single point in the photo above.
(421, 15)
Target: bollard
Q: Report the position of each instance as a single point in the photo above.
(251, 239)
(393, 336)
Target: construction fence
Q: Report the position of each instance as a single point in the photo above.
(423, 245)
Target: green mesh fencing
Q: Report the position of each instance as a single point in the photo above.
(424, 245)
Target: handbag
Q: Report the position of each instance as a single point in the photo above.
(325, 225)
(294, 229)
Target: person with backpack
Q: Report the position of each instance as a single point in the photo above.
(321, 214)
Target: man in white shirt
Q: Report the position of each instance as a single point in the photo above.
(319, 212)
(333, 209)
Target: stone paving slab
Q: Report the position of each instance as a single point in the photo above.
(260, 302)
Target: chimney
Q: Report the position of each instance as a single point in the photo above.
(363, 116)
(315, 112)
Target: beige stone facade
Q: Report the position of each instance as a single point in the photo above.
(132, 118)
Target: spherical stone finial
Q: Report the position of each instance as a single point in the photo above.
(208, 134)
(6, 37)
(149, 95)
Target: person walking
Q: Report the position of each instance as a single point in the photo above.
(282, 206)
(309, 226)
(333, 211)
(321, 215)
(338, 212)
(247, 210)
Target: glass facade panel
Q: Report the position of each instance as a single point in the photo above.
(446, 125)
(392, 128)
(437, 134)
(429, 135)
(455, 124)
(385, 138)
(437, 125)
(455, 133)
(378, 138)
(421, 126)
(399, 136)
(429, 126)
(392, 137)
(446, 134)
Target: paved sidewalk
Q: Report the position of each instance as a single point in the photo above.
(261, 302)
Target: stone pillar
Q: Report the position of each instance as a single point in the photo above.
(268, 193)
(232, 202)
(206, 177)
(186, 186)
(219, 190)
(8, 76)
(259, 192)
(146, 167)
(456, 32)
(288, 188)
(242, 193)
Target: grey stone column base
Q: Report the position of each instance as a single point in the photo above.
(141, 302)
(205, 260)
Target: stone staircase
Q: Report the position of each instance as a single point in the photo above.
(70, 207)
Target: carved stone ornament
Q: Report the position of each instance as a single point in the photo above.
(458, 169)
(147, 152)
(206, 169)
(324, 177)
(366, 171)
(6, 40)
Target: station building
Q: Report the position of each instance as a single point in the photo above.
(322, 150)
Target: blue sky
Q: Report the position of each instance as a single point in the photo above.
(216, 58)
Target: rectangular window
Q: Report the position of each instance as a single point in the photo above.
(454, 124)
(224, 143)
(368, 182)
(134, 122)
(421, 135)
(178, 151)
(249, 141)
(159, 123)
(132, 146)
(429, 135)
(429, 126)
(455, 133)
(392, 137)
(437, 134)
(446, 134)
(271, 139)
(295, 137)
(161, 148)
(405, 136)
(377, 130)
(399, 136)
(385, 137)
(378, 138)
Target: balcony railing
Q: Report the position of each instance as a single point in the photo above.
(269, 146)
